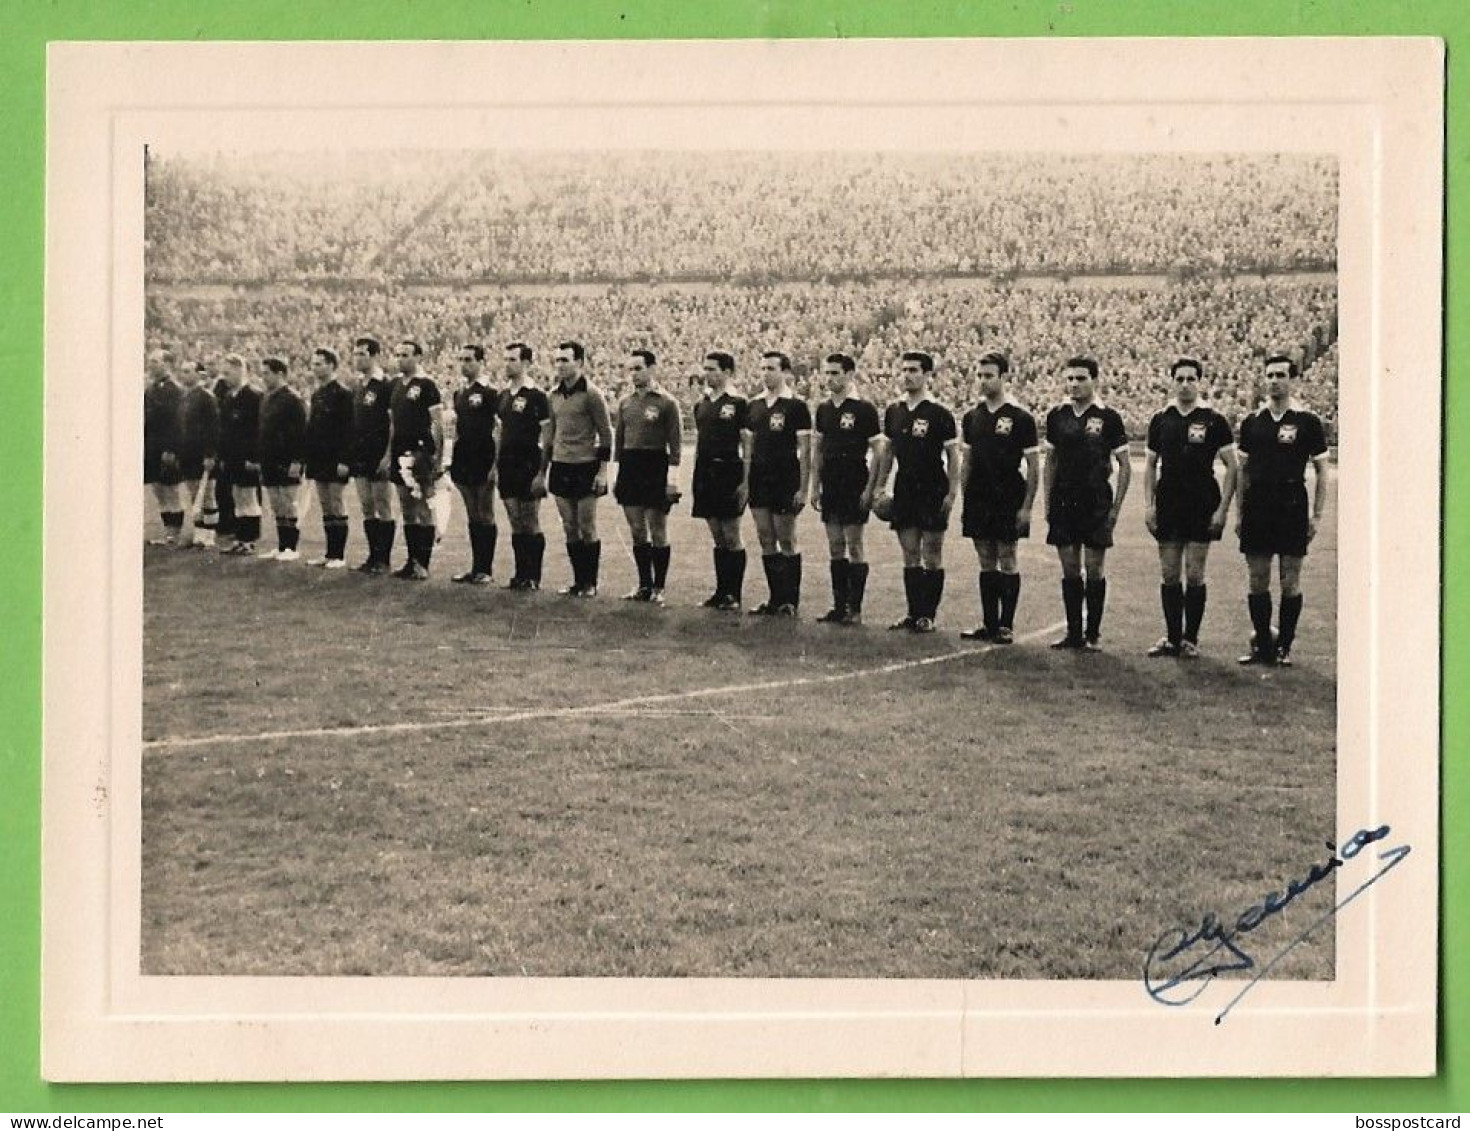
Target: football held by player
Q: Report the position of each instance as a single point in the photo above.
(999, 439)
(1085, 439)
(1277, 443)
(1184, 506)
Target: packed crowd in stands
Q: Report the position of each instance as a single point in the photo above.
(753, 217)
(1134, 331)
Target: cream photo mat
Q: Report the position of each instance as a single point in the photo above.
(1377, 105)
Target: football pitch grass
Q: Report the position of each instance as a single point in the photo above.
(345, 775)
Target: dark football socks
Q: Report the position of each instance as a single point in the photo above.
(643, 559)
(841, 570)
(387, 531)
(1171, 596)
(578, 559)
(1097, 599)
(722, 570)
(173, 521)
(913, 588)
(1291, 611)
(1260, 607)
(791, 573)
(735, 579)
(288, 535)
(1194, 611)
(661, 556)
(535, 555)
(772, 564)
(1010, 596)
(335, 528)
(247, 528)
(933, 592)
(1072, 596)
(857, 585)
(990, 594)
(518, 555)
(482, 547)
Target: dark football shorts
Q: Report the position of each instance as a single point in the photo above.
(471, 469)
(155, 472)
(1273, 520)
(278, 475)
(191, 468)
(843, 484)
(1080, 518)
(717, 485)
(919, 505)
(1182, 511)
(773, 486)
(572, 480)
(643, 480)
(419, 469)
(324, 472)
(515, 472)
(990, 510)
(238, 475)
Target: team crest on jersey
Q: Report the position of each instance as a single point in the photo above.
(1196, 433)
(650, 413)
(1003, 425)
(370, 399)
(413, 392)
(1094, 426)
(847, 421)
(919, 428)
(518, 405)
(778, 422)
(476, 400)
(727, 411)
(1286, 434)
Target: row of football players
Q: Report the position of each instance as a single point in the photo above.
(908, 465)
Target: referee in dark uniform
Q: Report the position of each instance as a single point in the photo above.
(719, 476)
(239, 450)
(846, 430)
(472, 466)
(998, 438)
(921, 437)
(1184, 507)
(372, 398)
(524, 413)
(329, 453)
(778, 427)
(415, 455)
(1276, 445)
(648, 442)
(1084, 440)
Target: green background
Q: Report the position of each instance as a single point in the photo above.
(25, 28)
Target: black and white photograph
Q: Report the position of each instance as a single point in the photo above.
(749, 546)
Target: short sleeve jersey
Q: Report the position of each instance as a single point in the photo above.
(411, 404)
(1187, 445)
(847, 428)
(998, 440)
(370, 405)
(1279, 450)
(522, 412)
(1083, 445)
(919, 436)
(476, 408)
(718, 422)
(774, 427)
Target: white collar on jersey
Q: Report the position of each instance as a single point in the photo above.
(1292, 405)
(1096, 403)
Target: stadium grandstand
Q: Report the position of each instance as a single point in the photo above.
(1132, 259)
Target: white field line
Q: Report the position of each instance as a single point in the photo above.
(606, 707)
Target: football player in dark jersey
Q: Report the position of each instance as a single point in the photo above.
(1084, 440)
(1276, 445)
(282, 455)
(920, 437)
(199, 454)
(472, 468)
(647, 442)
(224, 495)
(1184, 506)
(847, 429)
(162, 400)
(778, 427)
(239, 450)
(329, 453)
(998, 438)
(416, 451)
(524, 415)
(720, 460)
(577, 448)
(371, 411)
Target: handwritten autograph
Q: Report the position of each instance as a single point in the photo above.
(1183, 961)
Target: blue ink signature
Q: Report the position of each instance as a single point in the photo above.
(1183, 961)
